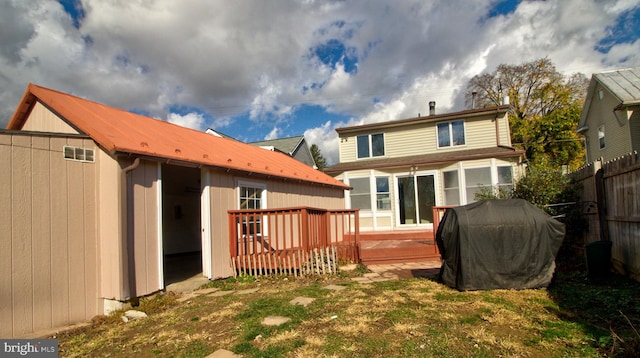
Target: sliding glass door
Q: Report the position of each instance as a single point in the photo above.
(416, 197)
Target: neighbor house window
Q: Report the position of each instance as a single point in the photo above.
(601, 136)
(451, 134)
(370, 145)
(383, 197)
(476, 179)
(451, 188)
(505, 178)
(78, 154)
(360, 194)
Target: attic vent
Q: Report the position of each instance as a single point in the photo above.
(78, 154)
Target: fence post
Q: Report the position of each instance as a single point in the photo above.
(233, 235)
(601, 200)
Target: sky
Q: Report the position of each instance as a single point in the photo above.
(267, 69)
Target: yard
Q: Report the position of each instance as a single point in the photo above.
(416, 317)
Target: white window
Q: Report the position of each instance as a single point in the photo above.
(361, 193)
(451, 134)
(252, 196)
(78, 154)
(451, 188)
(601, 136)
(476, 179)
(505, 178)
(383, 197)
(370, 145)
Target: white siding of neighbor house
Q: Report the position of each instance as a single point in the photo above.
(617, 137)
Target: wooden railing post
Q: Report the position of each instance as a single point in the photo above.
(304, 218)
(233, 235)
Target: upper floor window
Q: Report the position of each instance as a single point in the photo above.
(601, 136)
(370, 145)
(451, 134)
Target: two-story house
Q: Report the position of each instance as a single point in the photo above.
(400, 170)
(610, 120)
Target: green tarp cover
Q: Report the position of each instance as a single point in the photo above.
(498, 244)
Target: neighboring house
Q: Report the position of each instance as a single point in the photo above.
(610, 120)
(294, 146)
(400, 169)
(95, 198)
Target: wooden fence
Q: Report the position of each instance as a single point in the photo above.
(610, 197)
(287, 239)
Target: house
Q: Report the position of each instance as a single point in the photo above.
(610, 119)
(399, 170)
(96, 200)
(294, 146)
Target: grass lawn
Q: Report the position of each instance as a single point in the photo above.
(399, 318)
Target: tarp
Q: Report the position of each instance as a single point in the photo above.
(494, 244)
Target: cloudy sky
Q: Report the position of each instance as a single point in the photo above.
(270, 69)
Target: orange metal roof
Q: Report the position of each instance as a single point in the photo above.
(117, 131)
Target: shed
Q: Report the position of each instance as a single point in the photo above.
(98, 203)
(498, 244)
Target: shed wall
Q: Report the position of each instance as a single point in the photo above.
(49, 247)
(42, 119)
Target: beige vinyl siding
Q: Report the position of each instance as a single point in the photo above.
(504, 131)
(43, 120)
(48, 273)
(421, 138)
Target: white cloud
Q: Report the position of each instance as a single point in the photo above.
(241, 59)
(189, 120)
(274, 134)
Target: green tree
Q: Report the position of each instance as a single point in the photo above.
(545, 108)
(321, 162)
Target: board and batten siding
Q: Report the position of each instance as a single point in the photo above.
(143, 215)
(48, 244)
(280, 194)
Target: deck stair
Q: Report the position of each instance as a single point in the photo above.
(398, 246)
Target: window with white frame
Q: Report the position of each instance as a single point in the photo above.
(451, 134)
(505, 178)
(360, 194)
(383, 197)
(601, 137)
(252, 197)
(476, 179)
(451, 188)
(370, 145)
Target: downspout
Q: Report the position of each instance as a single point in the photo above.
(126, 207)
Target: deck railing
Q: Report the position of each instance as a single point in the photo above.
(438, 213)
(286, 238)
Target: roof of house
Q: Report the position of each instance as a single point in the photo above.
(119, 131)
(287, 145)
(424, 159)
(623, 84)
(427, 119)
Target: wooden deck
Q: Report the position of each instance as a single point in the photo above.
(398, 246)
